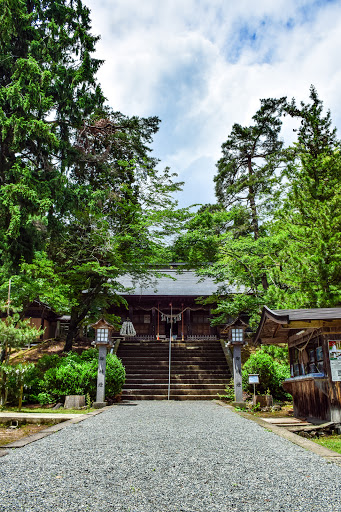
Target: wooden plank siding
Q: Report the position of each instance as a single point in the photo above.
(309, 401)
(307, 333)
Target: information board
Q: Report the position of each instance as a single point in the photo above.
(335, 359)
(253, 378)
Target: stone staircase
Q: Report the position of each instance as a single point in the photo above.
(199, 370)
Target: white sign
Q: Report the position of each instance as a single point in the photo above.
(253, 378)
(335, 359)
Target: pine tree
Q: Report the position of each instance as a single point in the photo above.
(47, 87)
(247, 170)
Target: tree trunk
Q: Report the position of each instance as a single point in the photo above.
(72, 332)
(254, 219)
(77, 316)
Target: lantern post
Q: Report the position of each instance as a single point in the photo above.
(103, 342)
(236, 335)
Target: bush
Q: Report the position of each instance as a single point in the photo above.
(74, 374)
(45, 398)
(115, 376)
(14, 379)
(271, 374)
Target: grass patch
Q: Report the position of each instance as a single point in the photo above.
(8, 434)
(332, 442)
(42, 410)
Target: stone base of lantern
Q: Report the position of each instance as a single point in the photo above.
(99, 405)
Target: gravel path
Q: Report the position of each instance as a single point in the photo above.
(167, 456)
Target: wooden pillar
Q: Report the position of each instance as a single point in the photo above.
(152, 329)
(188, 322)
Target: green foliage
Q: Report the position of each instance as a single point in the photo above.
(251, 155)
(15, 333)
(55, 377)
(271, 373)
(13, 380)
(282, 250)
(81, 200)
(229, 392)
(45, 398)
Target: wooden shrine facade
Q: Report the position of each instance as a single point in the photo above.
(314, 340)
(169, 302)
(156, 318)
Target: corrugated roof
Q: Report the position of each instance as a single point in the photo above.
(270, 325)
(310, 314)
(186, 283)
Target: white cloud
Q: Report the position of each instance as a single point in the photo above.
(202, 65)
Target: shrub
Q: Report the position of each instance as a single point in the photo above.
(45, 398)
(115, 376)
(75, 375)
(271, 374)
(14, 379)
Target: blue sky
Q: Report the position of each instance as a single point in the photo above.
(202, 65)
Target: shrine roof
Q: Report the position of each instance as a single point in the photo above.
(279, 325)
(174, 283)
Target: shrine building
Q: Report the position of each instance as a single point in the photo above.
(155, 306)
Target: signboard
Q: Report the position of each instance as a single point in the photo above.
(335, 359)
(253, 378)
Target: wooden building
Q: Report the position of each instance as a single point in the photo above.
(314, 340)
(170, 301)
(40, 315)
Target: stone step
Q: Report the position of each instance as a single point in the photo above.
(174, 364)
(177, 360)
(131, 381)
(198, 371)
(172, 397)
(174, 385)
(164, 391)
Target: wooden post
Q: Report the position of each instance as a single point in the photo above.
(188, 322)
(152, 328)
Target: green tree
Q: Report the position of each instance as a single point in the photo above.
(47, 87)
(14, 334)
(309, 222)
(298, 244)
(79, 192)
(251, 155)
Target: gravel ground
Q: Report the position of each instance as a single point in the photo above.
(167, 456)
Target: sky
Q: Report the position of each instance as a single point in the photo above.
(203, 65)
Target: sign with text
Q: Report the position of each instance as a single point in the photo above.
(253, 378)
(335, 359)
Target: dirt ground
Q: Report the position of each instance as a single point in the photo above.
(287, 411)
(50, 347)
(9, 434)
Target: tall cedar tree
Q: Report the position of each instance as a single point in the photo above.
(47, 87)
(79, 190)
(309, 224)
(247, 169)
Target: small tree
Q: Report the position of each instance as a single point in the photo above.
(14, 333)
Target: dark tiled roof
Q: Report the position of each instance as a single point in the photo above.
(186, 283)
